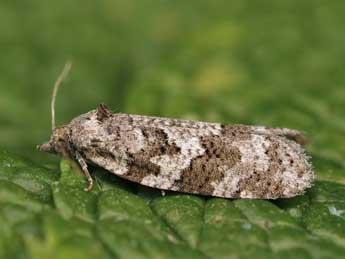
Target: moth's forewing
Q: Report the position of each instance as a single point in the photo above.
(195, 157)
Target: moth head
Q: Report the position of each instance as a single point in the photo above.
(58, 142)
(59, 139)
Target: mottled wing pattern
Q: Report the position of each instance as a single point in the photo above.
(195, 157)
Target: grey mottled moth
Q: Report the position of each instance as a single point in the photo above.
(231, 161)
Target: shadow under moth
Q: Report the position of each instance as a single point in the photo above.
(231, 161)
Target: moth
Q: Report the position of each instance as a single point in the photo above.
(214, 159)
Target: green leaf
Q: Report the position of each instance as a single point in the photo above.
(121, 220)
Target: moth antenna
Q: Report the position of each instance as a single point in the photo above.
(57, 84)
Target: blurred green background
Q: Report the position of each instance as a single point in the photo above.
(277, 63)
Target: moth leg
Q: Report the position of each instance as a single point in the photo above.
(86, 172)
